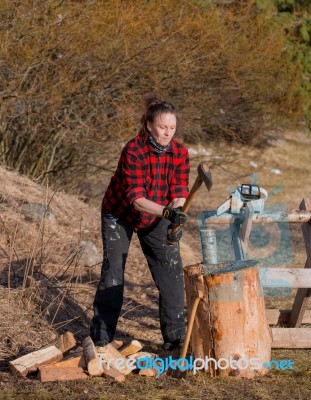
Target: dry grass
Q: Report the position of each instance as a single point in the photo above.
(33, 255)
(73, 75)
(281, 386)
(25, 326)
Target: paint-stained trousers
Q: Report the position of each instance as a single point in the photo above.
(166, 268)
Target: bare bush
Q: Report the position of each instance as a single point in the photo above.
(73, 75)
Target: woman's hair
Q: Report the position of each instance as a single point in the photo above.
(153, 108)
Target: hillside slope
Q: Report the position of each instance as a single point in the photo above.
(47, 285)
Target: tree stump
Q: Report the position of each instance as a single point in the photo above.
(230, 326)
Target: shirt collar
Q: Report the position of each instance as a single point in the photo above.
(170, 148)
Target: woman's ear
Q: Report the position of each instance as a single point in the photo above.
(148, 126)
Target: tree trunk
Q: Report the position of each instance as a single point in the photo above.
(230, 326)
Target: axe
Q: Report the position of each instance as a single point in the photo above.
(204, 175)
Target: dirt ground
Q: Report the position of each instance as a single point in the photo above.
(284, 170)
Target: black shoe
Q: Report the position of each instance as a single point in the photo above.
(101, 343)
(175, 344)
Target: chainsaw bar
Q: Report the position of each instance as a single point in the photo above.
(228, 266)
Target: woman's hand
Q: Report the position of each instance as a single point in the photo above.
(175, 215)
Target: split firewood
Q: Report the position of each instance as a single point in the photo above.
(113, 374)
(72, 362)
(117, 344)
(66, 342)
(111, 356)
(94, 367)
(30, 362)
(143, 354)
(78, 351)
(53, 373)
(131, 348)
(148, 372)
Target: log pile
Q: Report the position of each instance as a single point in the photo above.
(65, 361)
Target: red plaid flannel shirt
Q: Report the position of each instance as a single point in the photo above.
(142, 172)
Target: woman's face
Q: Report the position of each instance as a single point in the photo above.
(163, 128)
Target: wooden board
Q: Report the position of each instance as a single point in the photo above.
(291, 338)
(275, 316)
(30, 362)
(285, 277)
(266, 217)
(300, 302)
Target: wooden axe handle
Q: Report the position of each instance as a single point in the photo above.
(196, 186)
(190, 324)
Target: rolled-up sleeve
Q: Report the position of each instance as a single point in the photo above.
(179, 185)
(133, 176)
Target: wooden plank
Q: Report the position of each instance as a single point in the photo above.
(50, 373)
(131, 348)
(291, 338)
(266, 217)
(66, 342)
(30, 362)
(285, 277)
(275, 316)
(302, 295)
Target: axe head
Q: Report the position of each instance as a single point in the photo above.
(205, 175)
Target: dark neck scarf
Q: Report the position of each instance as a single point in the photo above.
(158, 148)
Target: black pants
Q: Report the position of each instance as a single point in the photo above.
(166, 268)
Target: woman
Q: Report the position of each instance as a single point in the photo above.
(145, 195)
